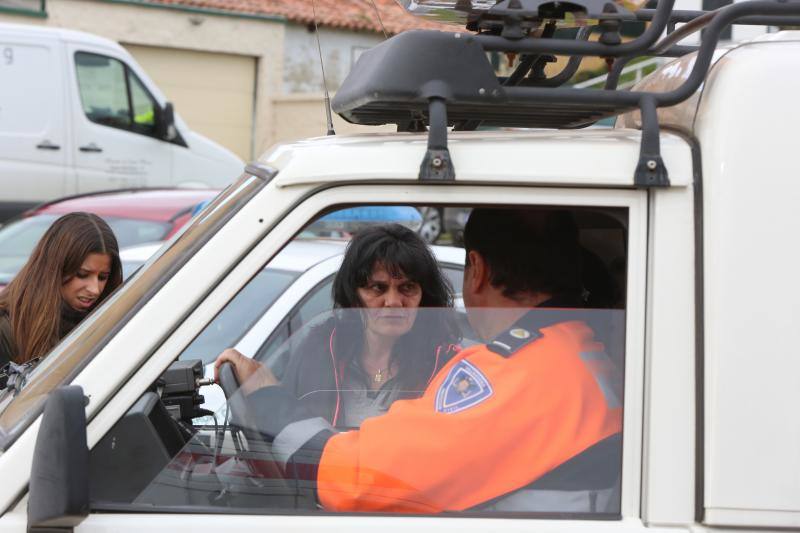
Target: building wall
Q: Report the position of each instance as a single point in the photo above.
(340, 50)
(298, 116)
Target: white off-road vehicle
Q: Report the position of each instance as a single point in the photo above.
(685, 214)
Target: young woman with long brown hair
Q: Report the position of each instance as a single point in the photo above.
(73, 268)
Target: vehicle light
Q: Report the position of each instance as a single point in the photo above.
(355, 218)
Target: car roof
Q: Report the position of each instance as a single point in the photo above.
(144, 204)
(609, 157)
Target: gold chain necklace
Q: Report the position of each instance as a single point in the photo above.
(380, 375)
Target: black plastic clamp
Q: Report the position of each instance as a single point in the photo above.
(650, 171)
(437, 164)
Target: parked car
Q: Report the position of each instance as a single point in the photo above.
(80, 115)
(136, 216)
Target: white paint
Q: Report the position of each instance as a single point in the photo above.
(608, 157)
(747, 126)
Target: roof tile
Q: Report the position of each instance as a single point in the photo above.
(355, 15)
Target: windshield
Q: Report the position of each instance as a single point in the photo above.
(424, 392)
(18, 239)
(68, 358)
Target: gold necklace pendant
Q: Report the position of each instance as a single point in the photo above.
(379, 377)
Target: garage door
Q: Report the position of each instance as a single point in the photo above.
(212, 92)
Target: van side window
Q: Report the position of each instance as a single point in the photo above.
(144, 107)
(112, 95)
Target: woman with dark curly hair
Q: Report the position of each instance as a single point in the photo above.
(73, 268)
(382, 343)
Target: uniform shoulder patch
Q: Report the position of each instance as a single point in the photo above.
(510, 341)
(465, 386)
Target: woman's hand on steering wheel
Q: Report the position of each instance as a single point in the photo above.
(251, 374)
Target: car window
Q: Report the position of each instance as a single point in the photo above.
(239, 315)
(317, 302)
(131, 231)
(112, 95)
(67, 359)
(18, 239)
(455, 275)
(144, 106)
(224, 451)
(103, 90)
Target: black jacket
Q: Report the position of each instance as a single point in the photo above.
(7, 345)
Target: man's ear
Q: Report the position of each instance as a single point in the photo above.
(478, 272)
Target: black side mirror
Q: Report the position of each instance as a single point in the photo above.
(165, 125)
(59, 487)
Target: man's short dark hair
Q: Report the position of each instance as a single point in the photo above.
(527, 250)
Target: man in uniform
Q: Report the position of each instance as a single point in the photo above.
(514, 424)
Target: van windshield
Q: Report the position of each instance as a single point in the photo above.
(69, 358)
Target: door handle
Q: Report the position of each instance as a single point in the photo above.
(47, 145)
(91, 147)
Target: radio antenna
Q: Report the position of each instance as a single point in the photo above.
(378, 14)
(322, 67)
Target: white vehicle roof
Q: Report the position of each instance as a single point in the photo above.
(59, 33)
(608, 157)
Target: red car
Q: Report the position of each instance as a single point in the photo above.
(136, 216)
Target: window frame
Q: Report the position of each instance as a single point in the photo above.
(263, 251)
(30, 12)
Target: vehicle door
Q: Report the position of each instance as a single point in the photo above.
(189, 504)
(34, 145)
(114, 120)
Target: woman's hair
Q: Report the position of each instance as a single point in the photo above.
(400, 251)
(33, 299)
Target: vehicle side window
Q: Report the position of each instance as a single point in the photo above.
(103, 89)
(144, 106)
(239, 315)
(112, 95)
(317, 302)
(551, 372)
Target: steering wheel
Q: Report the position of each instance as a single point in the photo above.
(230, 386)
(239, 410)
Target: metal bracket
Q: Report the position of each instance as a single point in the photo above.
(650, 171)
(437, 164)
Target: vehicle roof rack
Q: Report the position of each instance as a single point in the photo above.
(402, 82)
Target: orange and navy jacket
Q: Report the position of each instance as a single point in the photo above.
(495, 419)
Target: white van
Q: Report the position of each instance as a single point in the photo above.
(78, 114)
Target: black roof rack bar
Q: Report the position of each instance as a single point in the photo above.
(639, 46)
(392, 83)
(660, 18)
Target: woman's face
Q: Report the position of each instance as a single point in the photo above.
(82, 290)
(391, 302)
